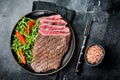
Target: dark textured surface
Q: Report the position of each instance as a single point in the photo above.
(66, 13)
(105, 28)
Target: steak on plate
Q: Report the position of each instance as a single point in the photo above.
(48, 26)
(55, 30)
(48, 52)
(51, 43)
(53, 22)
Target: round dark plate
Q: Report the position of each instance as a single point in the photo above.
(35, 15)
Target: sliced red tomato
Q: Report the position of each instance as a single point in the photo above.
(21, 37)
(31, 23)
(27, 30)
(21, 55)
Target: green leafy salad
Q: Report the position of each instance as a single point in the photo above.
(24, 38)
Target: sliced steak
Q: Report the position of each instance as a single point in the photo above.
(48, 52)
(47, 32)
(53, 22)
(52, 17)
(46, 29)
(48, 26)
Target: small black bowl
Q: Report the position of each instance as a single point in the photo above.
(95, 64)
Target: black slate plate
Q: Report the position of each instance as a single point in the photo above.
(34, 15)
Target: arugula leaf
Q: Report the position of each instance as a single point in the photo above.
(30, 39)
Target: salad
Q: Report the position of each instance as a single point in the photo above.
(24, 38)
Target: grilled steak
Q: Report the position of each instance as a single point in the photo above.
(48, 26)
(53, 17)
(53, 22)
(46, 29)
(51, 43)
(54, 33)
(48, 52)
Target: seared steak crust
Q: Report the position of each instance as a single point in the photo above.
(48, 52)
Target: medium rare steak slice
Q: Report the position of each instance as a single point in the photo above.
(52, 17)
(48, 52)
(48, 26)
(47, 32)
(46, 29)
(53, 22)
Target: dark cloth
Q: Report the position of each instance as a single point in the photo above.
(68, 14)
